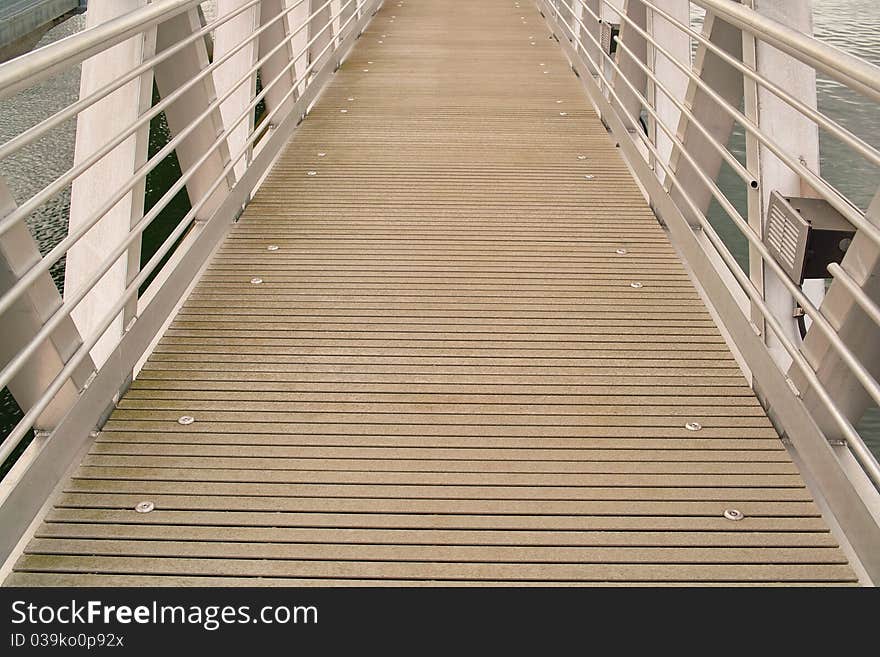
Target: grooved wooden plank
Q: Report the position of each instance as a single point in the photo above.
(709, 474)
(433, 553)
(435, 570)
(637, 491)
(438, 521)
(445, 374)
(430, 537)
(437, 506)
(100, 580)
(601, 445)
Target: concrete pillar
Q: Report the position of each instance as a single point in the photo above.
(95, 126)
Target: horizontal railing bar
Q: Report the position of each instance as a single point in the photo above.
(851, 71)
(58, 251)
(822, 186)
(24, 425)
(37, 131)
(871, 386)
(853, 141)
(854, 441)
(871, 309)
(24, 71)
(56, 186)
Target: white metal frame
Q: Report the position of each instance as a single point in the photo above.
(814, 391)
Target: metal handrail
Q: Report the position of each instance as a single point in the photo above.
(35, 132)
(851, 71)
(853, 141)
(837, 200)
(73, 299)
(65, 179)
(855, 442)
(11, 441)
(865, 378)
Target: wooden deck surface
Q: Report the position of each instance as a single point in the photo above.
(446, 375)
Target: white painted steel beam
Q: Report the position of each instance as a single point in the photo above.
(796, 134)
(19, 324)
(856, 329)
(170, 75)
(727, 82)
(276, 33)
(95, 126)
(635, 11)
(229, 74)
(678, 44)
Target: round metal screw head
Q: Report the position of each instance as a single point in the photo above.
(693, 426)
(185, 420)
(256, 281)
(272, 247)
(635, 284)
(620, 251)
(734, 514)
(144, 507)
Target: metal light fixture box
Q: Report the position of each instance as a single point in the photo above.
(805, 235)
(607, 33)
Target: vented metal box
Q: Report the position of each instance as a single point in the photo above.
(606, 36)
(805, 235)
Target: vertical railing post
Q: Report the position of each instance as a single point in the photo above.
(755, 195)
(591, 24)
(298, 18)
(316, 29)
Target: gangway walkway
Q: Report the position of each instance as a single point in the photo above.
(447, 342)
